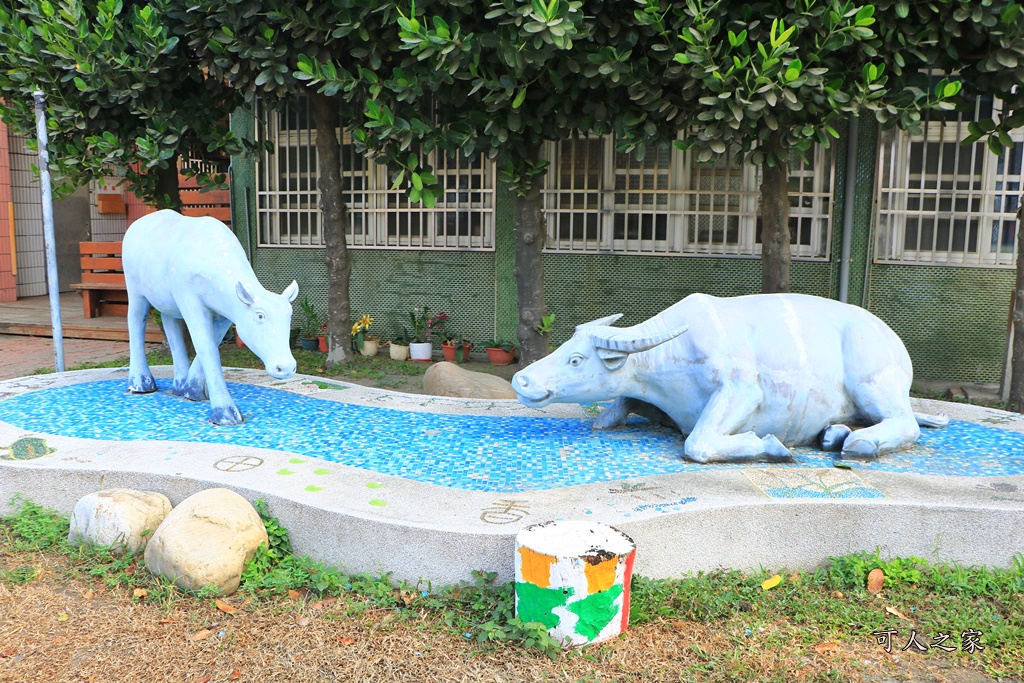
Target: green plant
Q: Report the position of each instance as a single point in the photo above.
(361, 332)
(457, 342)
(36, 527)
(402, 338)
(311, 319)
(503, 344)
(547, 324)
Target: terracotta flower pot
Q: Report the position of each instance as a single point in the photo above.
(322, 341)
(499, 356)
(449, 353)
(238, 340)
(398, 352)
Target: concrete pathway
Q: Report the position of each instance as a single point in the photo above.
(21, 355)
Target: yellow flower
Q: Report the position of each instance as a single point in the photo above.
(366, 321)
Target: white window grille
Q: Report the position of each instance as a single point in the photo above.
(944, 203)
(600, 200)
(379, 217)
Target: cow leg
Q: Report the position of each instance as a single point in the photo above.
(204, 329)
(713, 438)
(140, 379)
(621, 408)
(886, 407)
(194, 386)
(176, 341)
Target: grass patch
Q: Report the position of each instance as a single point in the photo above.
(743, 624)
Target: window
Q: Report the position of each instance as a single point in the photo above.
(944, 203)
(600, 200)
(379, 217)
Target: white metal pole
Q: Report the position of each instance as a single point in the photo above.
(48, 239)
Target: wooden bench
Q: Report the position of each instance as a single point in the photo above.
(103, 289)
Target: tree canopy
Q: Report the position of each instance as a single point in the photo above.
(124, 96)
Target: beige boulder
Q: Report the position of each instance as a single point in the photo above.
(119, 518)
(206, 541)
(448, 379)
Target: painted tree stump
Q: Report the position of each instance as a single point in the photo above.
(573, 577)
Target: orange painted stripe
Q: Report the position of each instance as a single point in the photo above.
(536, 567)
(601, 576)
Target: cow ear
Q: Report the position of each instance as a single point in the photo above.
(243, 294)
(291, 292)
(613, 360)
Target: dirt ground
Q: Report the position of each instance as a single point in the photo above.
(58, 628)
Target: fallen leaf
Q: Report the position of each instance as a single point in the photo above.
(204, 679)
(246, 602)
(346, 641)
(130, 569)
(140, 593)
(679, 624)
(8, 652)
(771, 582)
(896, 613)
(302, 621)
(88, 594)
(225, 607)
(822, 648)
(407, 597)
(167, 621)
(838, 595)
(201, 635)
(62, 617)
(794, 577)
(875, 579)
(294, 594)
(235, 674)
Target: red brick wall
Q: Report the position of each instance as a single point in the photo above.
(8, 290)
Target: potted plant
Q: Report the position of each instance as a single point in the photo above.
(455, 348)
(310, 325)
(423, 324)
(399, 346)
(362, 340)
(500, 352)
(322, 337)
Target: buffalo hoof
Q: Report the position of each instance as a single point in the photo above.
(833, 437)
(141, 384)
(774, 451)
(193, 391)
(225, 416)
(860, 449)
(611, 417)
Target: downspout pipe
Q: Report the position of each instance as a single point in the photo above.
(849, 190)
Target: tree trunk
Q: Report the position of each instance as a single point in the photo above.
(168, 193)
(1017, 357)
(334, 223)
(528, 216)
(775, 255)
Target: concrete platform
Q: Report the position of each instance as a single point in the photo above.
(957, 496)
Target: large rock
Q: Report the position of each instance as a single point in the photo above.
(448, 379)
(118, 518)
(206, 541)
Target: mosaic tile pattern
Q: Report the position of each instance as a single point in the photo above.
(461, 451)
(779, 482)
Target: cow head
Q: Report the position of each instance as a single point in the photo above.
(265, 325)
(591, 366)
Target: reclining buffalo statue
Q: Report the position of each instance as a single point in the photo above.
(194, 269)
(743, 377)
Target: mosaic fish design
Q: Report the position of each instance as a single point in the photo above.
(26, 448)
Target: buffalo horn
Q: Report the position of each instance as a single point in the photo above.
(600, 321)
(619, 340)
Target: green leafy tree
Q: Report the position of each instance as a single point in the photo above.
(983, 44)
(256, 47)
(502, 80)
(765, 81)
(123, 96)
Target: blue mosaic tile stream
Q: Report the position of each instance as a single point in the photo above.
(473, 452)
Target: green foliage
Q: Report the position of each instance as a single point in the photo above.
(34, 527)
(124, 96)
(547, 324)
(310, 318)
(851, 571)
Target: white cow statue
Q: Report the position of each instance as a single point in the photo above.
(743, 377)
(194, 269)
